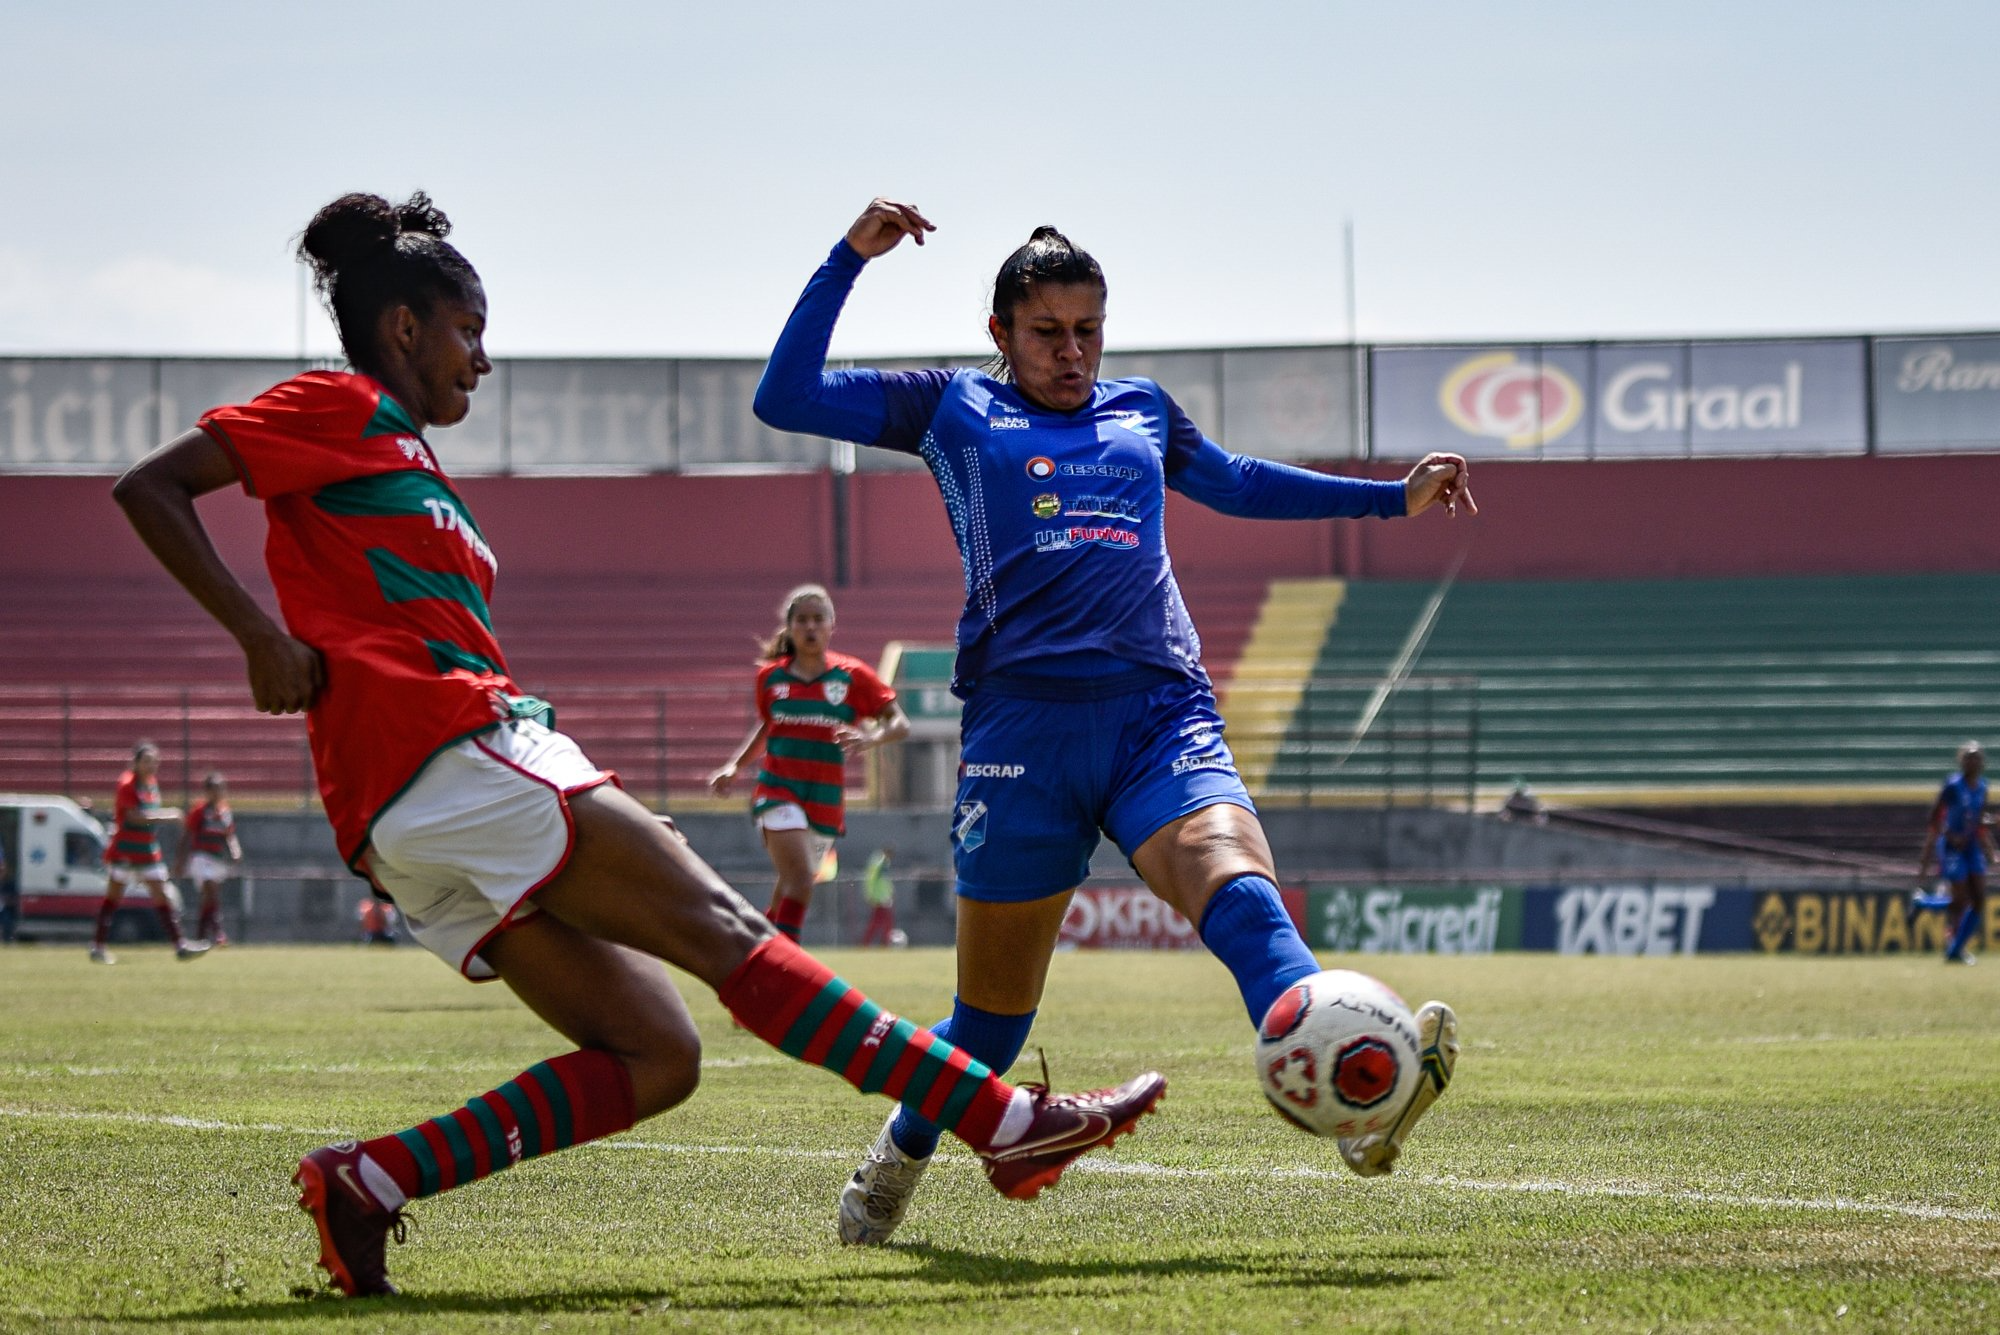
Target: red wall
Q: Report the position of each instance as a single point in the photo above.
(1537, 520)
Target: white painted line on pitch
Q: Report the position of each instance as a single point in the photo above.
(1139, 1168)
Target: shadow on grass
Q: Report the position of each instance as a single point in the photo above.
(945, 1267)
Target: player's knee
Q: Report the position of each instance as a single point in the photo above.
(665, 1072)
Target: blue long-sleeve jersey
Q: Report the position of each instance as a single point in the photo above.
(1058, 516)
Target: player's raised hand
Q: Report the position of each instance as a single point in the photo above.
(1439, 479)
(883, 225)
(285, 674)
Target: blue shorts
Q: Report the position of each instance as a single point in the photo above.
(1040, 778)
(1955, 864)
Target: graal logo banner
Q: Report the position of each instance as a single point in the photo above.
(1442, 922)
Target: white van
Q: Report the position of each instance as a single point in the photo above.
(55, 857)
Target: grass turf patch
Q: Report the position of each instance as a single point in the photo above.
(1686, 1144)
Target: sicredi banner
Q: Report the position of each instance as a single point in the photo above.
(1620, 400)
(1937, 394)
(1414, 920)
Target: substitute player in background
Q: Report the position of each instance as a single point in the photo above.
(509, 853)
(1959, 842)
(1087, 707)
(815, 708)
(134, 856)
(210, 852)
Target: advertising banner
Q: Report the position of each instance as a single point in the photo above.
(1936, 394)
(1634, 919)
(1134, 918)
(1620, 400)
(1856, 922)
(1414, 920)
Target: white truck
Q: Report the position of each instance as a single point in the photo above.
(55, 860)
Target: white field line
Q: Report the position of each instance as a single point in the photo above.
(1139, 1168)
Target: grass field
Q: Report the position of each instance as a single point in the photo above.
(1692, 1144)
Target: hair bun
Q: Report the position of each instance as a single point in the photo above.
(1047, 233)
(347, 229)
(418, 214)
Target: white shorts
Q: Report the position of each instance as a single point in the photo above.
(206, 867)
(483, 827)
(134, 873)
(786, 816)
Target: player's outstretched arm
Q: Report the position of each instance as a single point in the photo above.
(157, 495)
(798, 393)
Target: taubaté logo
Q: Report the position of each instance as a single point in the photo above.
(1522, 403)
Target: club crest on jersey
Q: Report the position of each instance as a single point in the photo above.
(1041, 468)
(1364, 1072)
(1047, 505)
(835, 692)
(413, 450)
(1286, 1012)
(969, 829)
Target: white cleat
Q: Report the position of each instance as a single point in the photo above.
(99, 955)
(877, 1197)
(1374, 1154)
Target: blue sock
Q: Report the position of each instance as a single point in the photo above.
(1967, 924)
(1246, 926)
(995, 1039)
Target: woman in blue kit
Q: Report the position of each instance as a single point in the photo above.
(1086, 705)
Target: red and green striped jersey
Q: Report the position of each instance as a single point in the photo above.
(803, 765)
(134, 841)
(379, 565)
(209, 825)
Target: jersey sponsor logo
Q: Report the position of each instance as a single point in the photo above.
(1007, 424)
(1047, 505)
(969, 826)
(1103, 507)
(1041, 468)
(972, 771)
(1102, 470)
(1522, 403)
(1084, 535)
(1188, 764)
(445, 515)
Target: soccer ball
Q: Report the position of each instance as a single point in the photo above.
(1337, 1054)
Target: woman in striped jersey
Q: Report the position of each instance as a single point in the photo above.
(510, 855)
(814, 709)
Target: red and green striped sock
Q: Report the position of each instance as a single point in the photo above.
(787, 915)
(796, 1004)
(564, 1101)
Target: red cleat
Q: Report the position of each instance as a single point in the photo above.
(353, 1226)
(1066, 1127)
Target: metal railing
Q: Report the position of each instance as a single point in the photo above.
(1304, 743)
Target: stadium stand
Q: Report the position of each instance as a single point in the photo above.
(652, 674)
(1684, 692)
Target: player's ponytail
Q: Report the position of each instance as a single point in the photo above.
(368, 255)
(780, 644)
(1049, 257)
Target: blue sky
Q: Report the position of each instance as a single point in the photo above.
(656, 178)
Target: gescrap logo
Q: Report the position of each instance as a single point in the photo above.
(1523, 403)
